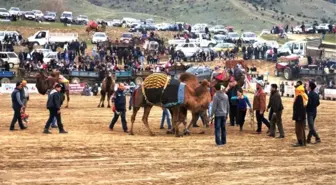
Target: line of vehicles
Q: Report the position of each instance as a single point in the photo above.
(49, 16)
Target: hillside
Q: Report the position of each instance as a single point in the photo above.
(247, 14)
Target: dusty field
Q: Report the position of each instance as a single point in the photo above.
(92, 154)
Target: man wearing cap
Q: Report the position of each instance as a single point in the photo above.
(259, 105)
(119, 107)
(25, 92)
(275, 104)
(54, 106)
(313, 103)
(17, 105)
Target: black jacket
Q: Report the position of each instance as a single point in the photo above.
(54, 100)
(119, 99)
(299, 110)
(275, 102)
(17, 99)
(313, 102)
(231, 93)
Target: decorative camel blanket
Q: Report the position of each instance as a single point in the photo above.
(159, 89)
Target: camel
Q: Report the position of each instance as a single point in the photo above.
(196, 98)
(106, 90)
(45, 83)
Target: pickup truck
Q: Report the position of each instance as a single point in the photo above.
(44, 36)
(200, 40)
(5, 76)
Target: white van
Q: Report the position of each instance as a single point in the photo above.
(11, 33)
(11, 58)
(128, 22)
(66, 15)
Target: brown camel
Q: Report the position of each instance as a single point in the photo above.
(196, 99)
(107, 89)
(45, 83)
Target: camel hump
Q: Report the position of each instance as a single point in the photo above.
(156, 80)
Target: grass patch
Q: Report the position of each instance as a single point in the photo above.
(330, 38)
(275, 37)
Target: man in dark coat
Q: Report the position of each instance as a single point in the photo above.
(275, 104)
(231, 91)
(54, 104)
(282, 88)
(313, 103)
(119, 107)
(17, 105)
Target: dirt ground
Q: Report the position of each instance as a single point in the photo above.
(92, 154)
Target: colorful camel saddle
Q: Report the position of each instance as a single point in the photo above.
(160, 89)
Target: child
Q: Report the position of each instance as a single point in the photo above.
(242, 102)
(24, 116)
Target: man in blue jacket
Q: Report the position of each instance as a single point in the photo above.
(54, 106)
(313, 103)
(17, 105)
(119, 101)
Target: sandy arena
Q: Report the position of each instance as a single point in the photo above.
(92, 154)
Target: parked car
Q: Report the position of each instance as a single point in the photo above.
(10, 33)
(44, 36)
(4, 13)
(82, 19)
(187, 50)
(38, 14)
(50, 16)
(223, 47)
(249, 37)
(220, 38)
(322, 27)
(99, 37)
(44, 51)
(218, 29)
(126, 37)
(162, 26)
(309, 28)
(14, 11)
(11, 58)
(114, 23)
(66, 16)
(50, 56)
(141, 28)
(297, 29)
(201, 72)
(232, 36)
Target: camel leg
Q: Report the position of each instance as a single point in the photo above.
(147, 110)
(175, 120)
(102, 99)
(135, 111)
(109, 94)
(193, 120)
(68, 98)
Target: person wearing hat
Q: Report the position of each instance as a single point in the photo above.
(275, 104)
(259, 105)
(119, 107)
(54, 106)
(25, 92)
(313, 103)
(299, 115)
(17, 105)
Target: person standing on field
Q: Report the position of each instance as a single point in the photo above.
(119, 107)
(259, 105)
(54, 106)
(17, 105)
(243, 102)
(25, 92)
(275, 104)
(313, 103)
(299, 115)
(220, 110)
